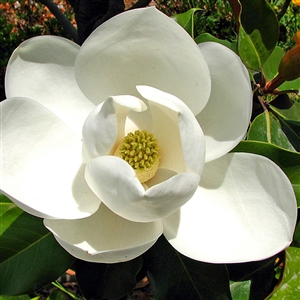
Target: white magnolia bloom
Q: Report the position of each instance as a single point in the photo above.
(69, 108)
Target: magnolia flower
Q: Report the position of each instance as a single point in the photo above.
(127, 137)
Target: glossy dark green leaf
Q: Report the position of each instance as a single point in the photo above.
(186, 20)
(262, 283)
(174, 276)
(267, 128)
(290, 283)
(258, 33)
(21, 297)
(57, 295)
(288, 161)
(259, 273)
(290, 114)
(9, 212)
(292, 131)
(296, 240)
(240, 290)
(30, 256)
(107, 281)
(206, 37)
(270, 70)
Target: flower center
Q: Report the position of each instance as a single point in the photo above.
(140, 150)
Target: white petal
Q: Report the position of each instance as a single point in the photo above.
(179, 136)
(42, 170)
(142, 47)
(244, 210)
(115, 183)
(226, 117)
(42, 68)
(105, 125)
(105, 237)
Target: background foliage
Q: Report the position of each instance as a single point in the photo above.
(274, 133)
(20, 20)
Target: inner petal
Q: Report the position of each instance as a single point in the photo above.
(165, 129)
(104, 128)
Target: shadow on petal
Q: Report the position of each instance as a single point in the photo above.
(104, 233)
(87, 201)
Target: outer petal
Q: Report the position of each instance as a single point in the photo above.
(179, 138)
(41, 163)
(226, 117)
(42, 68)
(105, 125)
(105, 237)
(244, 210)
(114, 182)
(142, 47)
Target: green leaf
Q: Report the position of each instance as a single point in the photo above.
(258, 33)
(267, 128)
(289, 119)
(270, 70)
(63, 290)
(21, 297)
(240, 290)
(292, 131)
(30, 256)
(289, 285)
(288, 161)
(174, 276)
(186, 20)
(57, 295)
(9, 212)
(206, 37)
(259, 273)
(107, 281)
(291, 114)
(296, 240)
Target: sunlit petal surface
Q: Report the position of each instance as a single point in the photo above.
(226, 116)
(142, 47)
(41, 167)
(244, 210)
(42, 68)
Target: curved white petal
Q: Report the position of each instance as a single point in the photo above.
(142, 47)
(244, 210)
(226, 116)
(104, 237)
(42, 68)
(41, 161)
(114, 182)
(178, 137)
(105, 125)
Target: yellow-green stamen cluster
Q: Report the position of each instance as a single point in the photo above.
(140, 150)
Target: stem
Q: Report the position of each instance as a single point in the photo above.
(262, 103)
(91, 13)
(236, 9)
(59, 286)
(284, 9)
(273, 84)
(267, 118)
(62, 19)
(139, 4)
